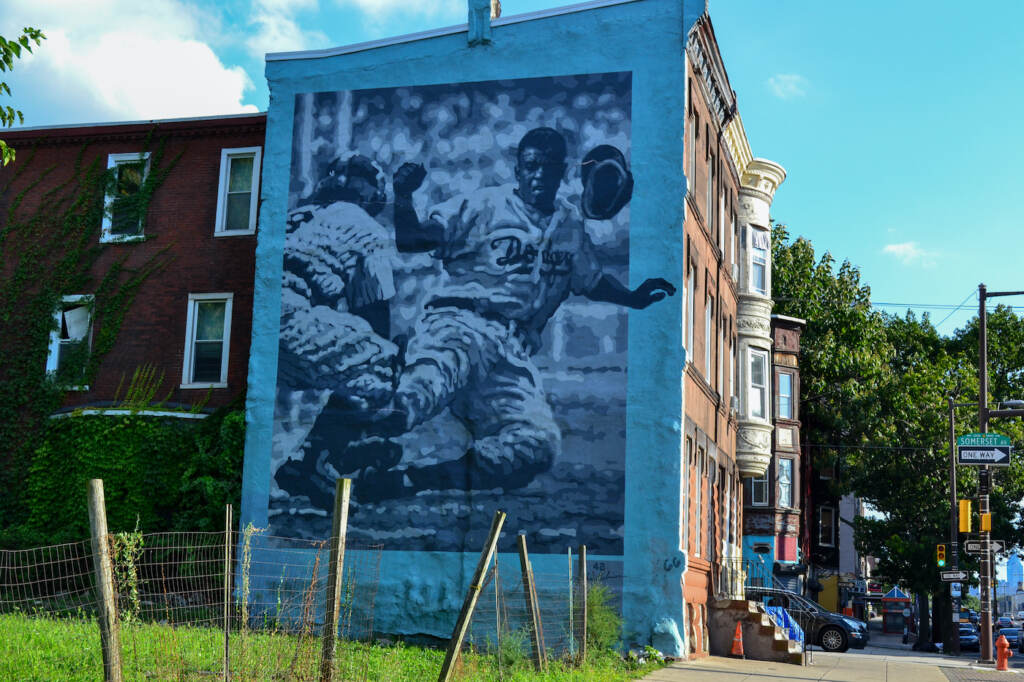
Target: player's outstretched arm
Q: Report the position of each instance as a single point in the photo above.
(410, 234)
(611, 290)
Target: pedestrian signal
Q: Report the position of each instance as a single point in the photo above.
(940, 555)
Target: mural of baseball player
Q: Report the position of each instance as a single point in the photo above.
(512, 254)
(334, 353)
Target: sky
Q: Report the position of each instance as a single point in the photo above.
(895, 121)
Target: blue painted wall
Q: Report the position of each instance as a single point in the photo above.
(421, 592)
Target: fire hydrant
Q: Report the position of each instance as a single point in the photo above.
(1003, 653)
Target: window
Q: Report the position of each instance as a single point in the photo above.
(122, 204)
(691, 140)
(709, 313)
(236, 197)
(690, 302)
(735, 238)
(732, 364)
(759, 490)
(785, 483)
(720, 350)
(757, 390)
(700, 489)
(826, 527)
(785, 395)
(208, 334)
(71, 342)
(709, 198)
(759, 261)
(687, 469)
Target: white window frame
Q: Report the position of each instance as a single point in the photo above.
(106, 237)
(709, 313)
(720, 355)
(190, 335)
(789, 396)
(762, 356)
(226, 156)
(700, 490)
(761, 261)
(756, 483)
(785, 499)
(691, 302)
(732, 368)
(831, 526)
(53, 351)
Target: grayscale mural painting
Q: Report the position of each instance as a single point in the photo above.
(454, 314)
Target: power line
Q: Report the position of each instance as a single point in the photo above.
(972, 292)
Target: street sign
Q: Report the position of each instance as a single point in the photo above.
(954, 589)
(979, 449)
(846, 583)
(953, 576)
(975, 546)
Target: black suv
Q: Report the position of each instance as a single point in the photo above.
(830, 631)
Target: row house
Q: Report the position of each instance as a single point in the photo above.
(192, 229)
(727, 287)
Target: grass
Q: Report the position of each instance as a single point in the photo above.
(33, 648)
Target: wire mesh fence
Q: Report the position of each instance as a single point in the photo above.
(188, 604)
(503, 623)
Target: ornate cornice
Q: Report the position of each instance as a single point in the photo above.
(739, 146)
(763, 177)
(702, 50)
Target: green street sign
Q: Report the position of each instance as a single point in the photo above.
(979, 449)
(983, 439)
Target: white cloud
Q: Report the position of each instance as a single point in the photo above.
(108, 60)
(277, 28)
(788, 85)
(451, 9)
(910, 253)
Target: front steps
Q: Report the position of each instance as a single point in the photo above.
(763, 640)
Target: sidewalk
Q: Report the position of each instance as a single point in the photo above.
(847, 667)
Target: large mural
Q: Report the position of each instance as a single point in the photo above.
(454, 313)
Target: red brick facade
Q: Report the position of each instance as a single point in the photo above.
(180, 218)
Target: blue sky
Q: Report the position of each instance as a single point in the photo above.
(897, 122)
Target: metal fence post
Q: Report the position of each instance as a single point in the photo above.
(583, 602)
(227, 591)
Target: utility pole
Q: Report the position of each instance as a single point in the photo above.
(985, 473)
(954, 527)
(984, 483)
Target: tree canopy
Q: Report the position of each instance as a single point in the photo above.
(874, 408)
(11, 50)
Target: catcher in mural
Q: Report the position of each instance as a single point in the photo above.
(512, 254)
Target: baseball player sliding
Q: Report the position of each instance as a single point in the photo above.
(512, 255)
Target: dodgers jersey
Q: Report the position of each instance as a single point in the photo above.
(509, 264)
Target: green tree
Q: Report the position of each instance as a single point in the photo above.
(10, 50)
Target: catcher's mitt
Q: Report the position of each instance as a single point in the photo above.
(607, 182)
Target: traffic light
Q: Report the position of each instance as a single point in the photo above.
(940, 555)
(965, 516)
(986, 522)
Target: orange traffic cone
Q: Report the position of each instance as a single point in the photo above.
(737, 641)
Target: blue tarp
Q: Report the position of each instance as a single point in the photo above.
(784, 621)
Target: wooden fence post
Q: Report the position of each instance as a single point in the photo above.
(582, 602)
(227, 591)
(110, 636)
(532, 607)
(466, 615)
(339, 528)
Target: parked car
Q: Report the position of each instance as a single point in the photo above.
(1003, 622)
(969, 640)
(1020, 616)
(1012, 636)
(974, 617)
(830, 631)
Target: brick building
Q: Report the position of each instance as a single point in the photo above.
(725, 329)
(190, 318)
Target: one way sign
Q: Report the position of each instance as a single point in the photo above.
(954, 576)
(992, 449)
(975, 546)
